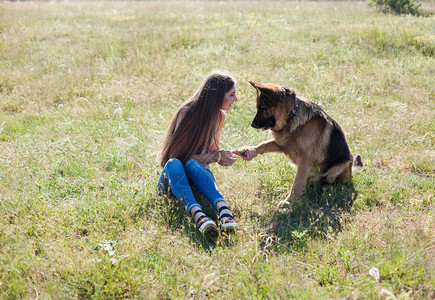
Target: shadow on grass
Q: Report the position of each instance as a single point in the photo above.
(316, 214)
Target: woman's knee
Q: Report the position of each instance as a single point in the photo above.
(194, 169)
(197, 172)
(173, 164)
(193, 164)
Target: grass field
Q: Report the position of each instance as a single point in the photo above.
(87, 90)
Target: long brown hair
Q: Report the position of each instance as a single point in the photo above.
(200, 116)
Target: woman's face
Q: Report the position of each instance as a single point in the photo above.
(229, 98)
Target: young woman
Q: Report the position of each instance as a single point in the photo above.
(192, 144)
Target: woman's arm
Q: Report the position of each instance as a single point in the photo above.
(206, 158)
(224, 157)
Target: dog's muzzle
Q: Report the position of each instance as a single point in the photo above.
(264, 124)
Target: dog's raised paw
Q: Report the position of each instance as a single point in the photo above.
(242, 152)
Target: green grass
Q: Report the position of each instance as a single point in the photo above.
(87, 90)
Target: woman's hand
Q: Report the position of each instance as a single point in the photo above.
(246, 153)
(228, 158)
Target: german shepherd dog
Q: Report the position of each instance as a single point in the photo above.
(312, 140)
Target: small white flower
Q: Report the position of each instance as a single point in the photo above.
(374, 272)
(387, 293)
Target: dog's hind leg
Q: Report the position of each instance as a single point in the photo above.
(336, 173)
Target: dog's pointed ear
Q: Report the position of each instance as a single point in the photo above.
(261, 87)
(288, 93)
(254, 84)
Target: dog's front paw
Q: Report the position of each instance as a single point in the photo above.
(247, 153)
(284, 207)
(287, 202)
(283, 204)
(243, 151)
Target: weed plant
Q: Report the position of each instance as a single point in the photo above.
(397, 6)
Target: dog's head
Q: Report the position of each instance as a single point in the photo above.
(275, 103)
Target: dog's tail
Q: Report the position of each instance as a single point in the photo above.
(357, 164)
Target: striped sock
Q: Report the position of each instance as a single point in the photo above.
(197, 214)
(223, 210)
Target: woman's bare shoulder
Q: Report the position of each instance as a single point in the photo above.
(222, 118)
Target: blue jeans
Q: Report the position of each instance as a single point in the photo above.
(175, 177)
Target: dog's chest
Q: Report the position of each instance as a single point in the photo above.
(288, 144)
(285, 140)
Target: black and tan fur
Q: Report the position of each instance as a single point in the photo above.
(313, 141)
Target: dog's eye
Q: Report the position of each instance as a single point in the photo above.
(261, 109)
(265, 105)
